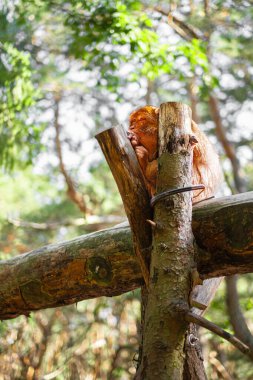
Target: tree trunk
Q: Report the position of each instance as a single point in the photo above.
(172, 255)
(193, 365)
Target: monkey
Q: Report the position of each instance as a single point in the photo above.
(143, 135)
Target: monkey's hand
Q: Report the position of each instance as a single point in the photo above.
(142, 155)
(148, 168)
(140, 151)
(134, 139)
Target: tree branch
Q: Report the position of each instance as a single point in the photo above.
(236, 317)
(104, 264)
(194, 318)
(90, 223)
(184, 30)
(127, 173)
(74, 195)
(226, 144)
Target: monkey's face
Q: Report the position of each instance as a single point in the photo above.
(143, 129)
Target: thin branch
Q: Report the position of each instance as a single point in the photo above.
(235, 312)
(226, 144)
(189, 29)
(74, 195)
(91, 222)
(228, 147)
(228, 182)
(186, 31)
(194, 318)
(219, 367)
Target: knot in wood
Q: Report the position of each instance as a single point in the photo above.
(99, 269)
(192, 340)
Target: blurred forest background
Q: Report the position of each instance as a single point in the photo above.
(68, 69)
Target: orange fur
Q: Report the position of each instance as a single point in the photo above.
(143, 134)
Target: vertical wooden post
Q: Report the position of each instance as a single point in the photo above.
(127, 173)
(172, 255)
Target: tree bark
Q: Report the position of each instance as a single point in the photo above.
(56, 275)
(193, 365)
(229, 242)
(104, 263)
(127, 173)
(172, 255)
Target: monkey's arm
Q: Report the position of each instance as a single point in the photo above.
(149, 168)
(142, 155)
(151, 176)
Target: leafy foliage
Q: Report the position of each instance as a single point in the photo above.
(17, 94)
(108, 34)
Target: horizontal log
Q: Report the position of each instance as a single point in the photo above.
(104, 264)
(223, 229)
(98, 264)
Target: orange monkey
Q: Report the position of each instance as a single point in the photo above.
(143, 135)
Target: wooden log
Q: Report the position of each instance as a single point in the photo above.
(223, 232)
(98, 264)
(104, 263)
(172, 257)
(127, 173)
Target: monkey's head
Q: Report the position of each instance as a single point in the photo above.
(143, 129)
